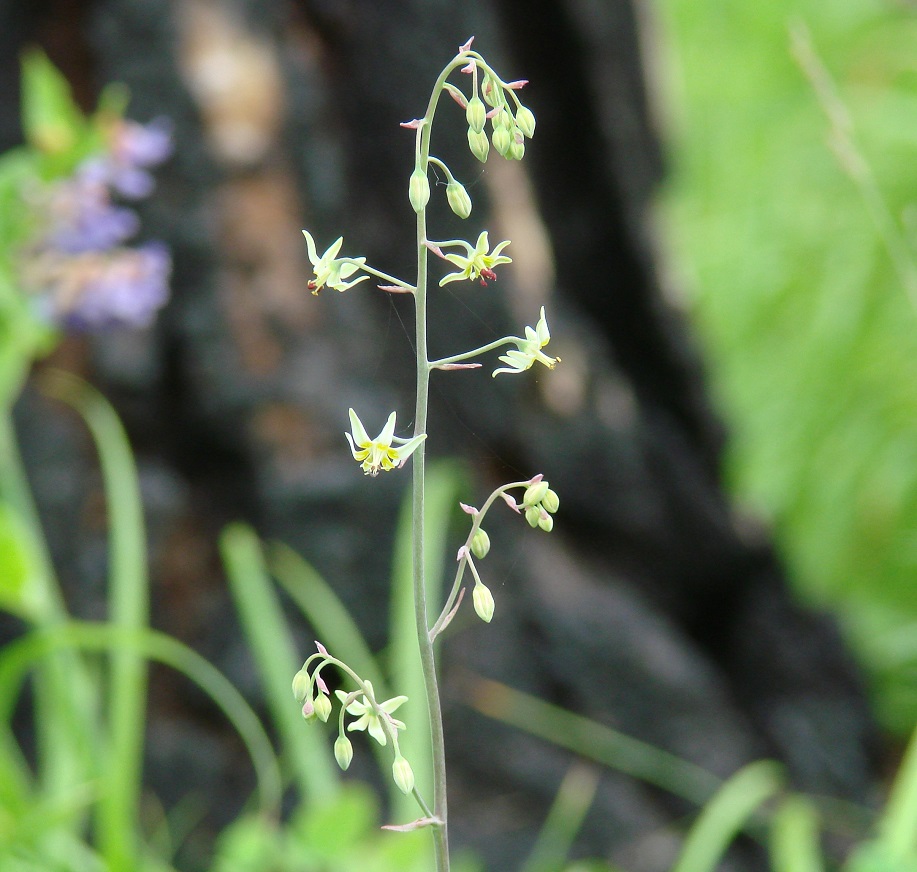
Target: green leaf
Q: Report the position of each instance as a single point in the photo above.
(794, 845)
(51, 120)
(273, 648)
(16, 562)
(333, 830)
(726, 814)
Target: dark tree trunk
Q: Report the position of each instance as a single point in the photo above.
(647, 608)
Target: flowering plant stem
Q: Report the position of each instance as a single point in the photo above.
(424, 641)
(387, 451)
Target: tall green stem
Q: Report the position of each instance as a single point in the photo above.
(425, 643)
(427, 659)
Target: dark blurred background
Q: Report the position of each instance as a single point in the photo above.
(654, 607)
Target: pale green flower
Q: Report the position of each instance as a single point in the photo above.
(331, 270)
(386, 451)
(366, 716)
(479, 263)
(528, 350)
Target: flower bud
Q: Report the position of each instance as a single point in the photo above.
(516, 148)
(533, 515)
(525, 121)
(550, 501)
(479, 145)
(476, 114)
(403, 774)
(502, 140)
(480, 543)
(300, 685)
(322, 707)
(493, 93)
(419, 190)
(458, 198)
(545, 521)
(343, 751)
(308, 710)
(502, 118)
(483, 601)
(535, 493)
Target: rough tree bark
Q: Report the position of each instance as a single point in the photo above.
(648, 608)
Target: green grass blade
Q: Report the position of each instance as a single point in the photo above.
(441, 500)
(64, 694)
(794, 844)
(128, 604)
(19, 656)
(593, 740)
(272, 646)
(725, 815)
(898, 824)
(565, 817)
(328, 616)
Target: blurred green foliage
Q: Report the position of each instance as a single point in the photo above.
(801, 278)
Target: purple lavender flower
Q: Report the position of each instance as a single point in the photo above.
(83, 218)
(135, 147)
(123, 287)
(126, 290)
(80, 272)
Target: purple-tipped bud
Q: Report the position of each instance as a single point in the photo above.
(516, 147)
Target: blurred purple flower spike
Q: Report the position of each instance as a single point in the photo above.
(134, 148)
(82, 216)
(81, 272)
(125, 289)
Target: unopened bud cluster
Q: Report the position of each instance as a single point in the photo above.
(540, 503)
(508, 130)
(510, 123)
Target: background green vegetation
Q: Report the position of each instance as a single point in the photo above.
(800, 274)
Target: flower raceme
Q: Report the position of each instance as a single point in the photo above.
(385, 452)
(528, 350)
(330, 269)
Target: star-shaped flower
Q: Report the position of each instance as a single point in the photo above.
(479, 263)
(331, 270)
(385, 452)
(368, 719)
(528, 350)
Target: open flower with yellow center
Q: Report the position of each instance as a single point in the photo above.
(479, 262)
(528, 350)
(384, 452)
(367, 718)
(330, 269)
